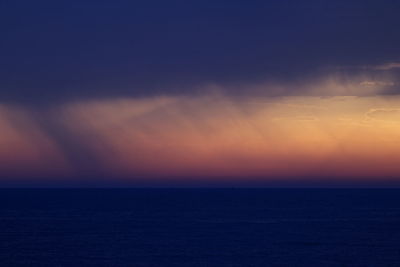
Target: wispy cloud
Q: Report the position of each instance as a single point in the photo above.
(387, 66)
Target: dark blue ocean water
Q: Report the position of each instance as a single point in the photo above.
(200, 227)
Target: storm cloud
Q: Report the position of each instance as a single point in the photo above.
(68, 50)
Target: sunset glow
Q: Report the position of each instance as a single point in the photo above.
(214, 135)
(204, 90)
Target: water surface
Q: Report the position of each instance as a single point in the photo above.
(200, 227)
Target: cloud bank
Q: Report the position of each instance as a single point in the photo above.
(337, 128)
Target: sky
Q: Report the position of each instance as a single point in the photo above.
(199, 92)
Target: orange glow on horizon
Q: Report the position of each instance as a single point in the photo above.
(212, 135)
(290, 136)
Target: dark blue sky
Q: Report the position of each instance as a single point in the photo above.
(58, 50)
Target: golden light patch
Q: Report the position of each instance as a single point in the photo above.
(287, 136)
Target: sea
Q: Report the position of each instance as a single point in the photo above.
(200, 227)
